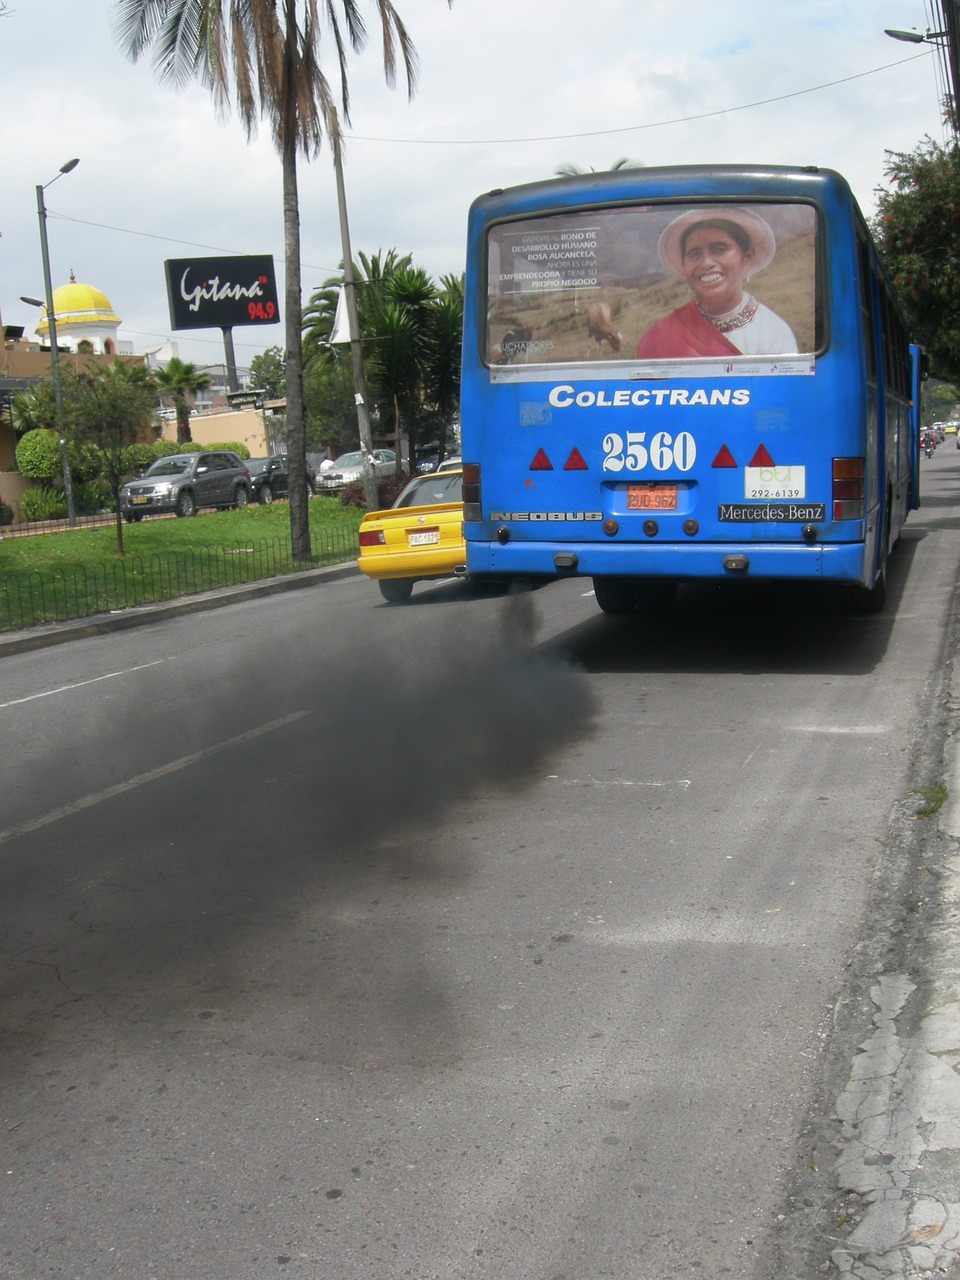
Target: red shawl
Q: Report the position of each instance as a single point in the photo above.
(684, 333)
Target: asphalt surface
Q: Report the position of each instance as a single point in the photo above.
(895, 1207)
(41, 637)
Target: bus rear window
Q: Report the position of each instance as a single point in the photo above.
(656, 282)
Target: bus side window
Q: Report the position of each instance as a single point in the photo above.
(866, 306)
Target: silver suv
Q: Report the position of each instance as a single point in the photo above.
(185, 482)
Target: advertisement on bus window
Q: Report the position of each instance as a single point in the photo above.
(658, 283)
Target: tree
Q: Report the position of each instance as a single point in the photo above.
(268, 373)
(574, 170)
(442, 366)
(34, 408)
(330, 407)
(917, 229)
(111, 408)
(412, 333)
(269, 51)
(177, 381)
(372, 277)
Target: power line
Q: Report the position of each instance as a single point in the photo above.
(634, 128)
(474, 142)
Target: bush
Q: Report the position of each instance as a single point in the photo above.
(43, 502)
(388, 490)
(38, 454)
(91, 497)
(191, 446)
(137, 457)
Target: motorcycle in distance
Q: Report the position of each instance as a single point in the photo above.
(928, 442)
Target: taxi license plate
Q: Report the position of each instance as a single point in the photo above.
(425, 538)
(136, 502)
(652, 497)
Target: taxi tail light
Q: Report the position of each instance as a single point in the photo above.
(849, 488)
(372, 538)
(471, 491)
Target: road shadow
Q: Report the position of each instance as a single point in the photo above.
(269, 890)
(751, 628)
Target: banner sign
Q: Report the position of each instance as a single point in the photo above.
(219, 293)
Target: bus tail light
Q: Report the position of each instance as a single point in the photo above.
(471, 491)
(372, 538)
(849, 490)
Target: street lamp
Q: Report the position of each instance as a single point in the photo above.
(52, 330)
(948, 42)
(914, 37)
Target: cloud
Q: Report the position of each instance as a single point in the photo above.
(507, 93)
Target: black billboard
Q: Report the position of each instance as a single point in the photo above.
(220, 293)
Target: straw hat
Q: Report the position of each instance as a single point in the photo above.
(760, 235)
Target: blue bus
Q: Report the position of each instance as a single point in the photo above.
(679, 373)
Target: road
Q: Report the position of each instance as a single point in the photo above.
(478, 937)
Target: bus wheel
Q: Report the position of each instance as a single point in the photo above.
(872, 599)
(396, 590)
(616, 595)
(654, 593)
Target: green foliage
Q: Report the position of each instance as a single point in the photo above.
(86, 461)
(191, 446)
(268, 373)
(90, 497)
(43, 502)
(137, 457)
(34, 408)
(412, 331)
(934, 798)
(330, 406)
(917, 229)
(38, 454)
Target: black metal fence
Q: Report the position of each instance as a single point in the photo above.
(30, 598)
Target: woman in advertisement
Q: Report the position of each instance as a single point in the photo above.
(715, 251)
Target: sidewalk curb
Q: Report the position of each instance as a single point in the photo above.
(44, 635)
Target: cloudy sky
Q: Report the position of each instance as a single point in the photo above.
(508, 91)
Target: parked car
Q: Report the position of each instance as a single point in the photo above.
(419, 537)
(348, 468)
(428, 459)
(185, 482)
(269, 478)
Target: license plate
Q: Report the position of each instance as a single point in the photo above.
(425, 538)
(137, 502)
(652, 497)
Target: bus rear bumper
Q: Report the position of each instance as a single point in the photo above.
(730, 561)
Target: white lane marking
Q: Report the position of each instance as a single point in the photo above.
(839, 728)
(683, 783)
(80, 684)
(120, 788)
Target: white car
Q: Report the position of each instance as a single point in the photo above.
(348, 468)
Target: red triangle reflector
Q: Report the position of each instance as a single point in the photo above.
(541, 462)
(575, 462)
(761, 458)
(724, 458)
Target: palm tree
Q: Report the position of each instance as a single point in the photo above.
(372, 277)
(572, 170)
(177, 381)
(268, 51)
(442, 365)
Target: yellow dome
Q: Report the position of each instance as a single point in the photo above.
(79, 304)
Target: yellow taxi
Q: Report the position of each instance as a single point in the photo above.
(419, 537)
